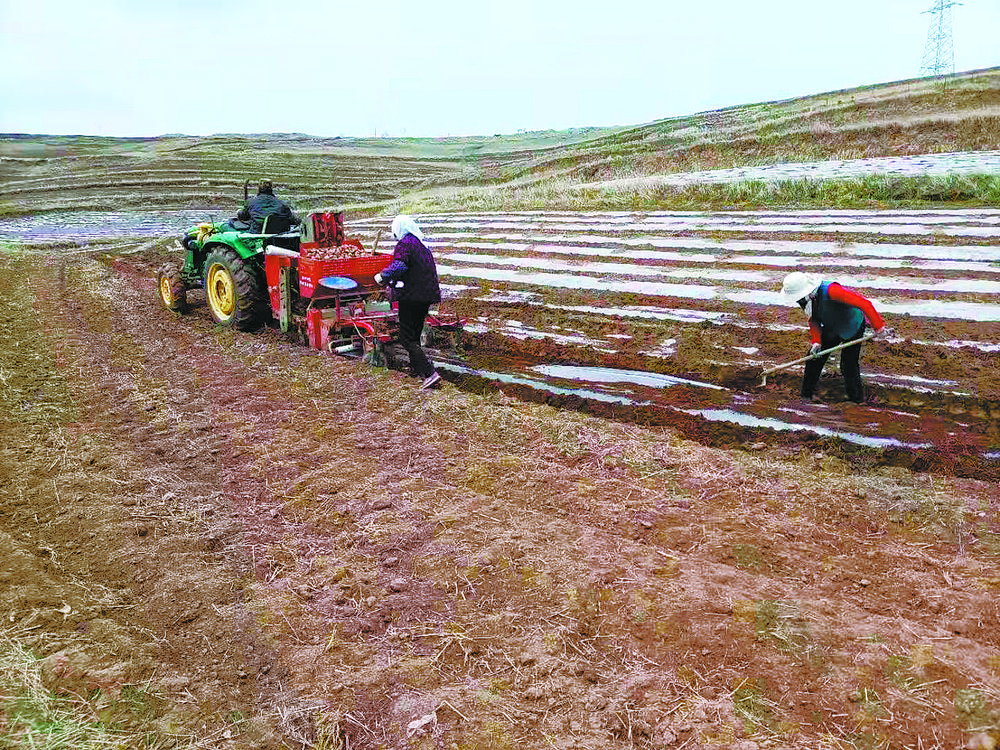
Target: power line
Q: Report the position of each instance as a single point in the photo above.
(939, 55)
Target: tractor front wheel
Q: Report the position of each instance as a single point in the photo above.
(234, 289)
(170, 285)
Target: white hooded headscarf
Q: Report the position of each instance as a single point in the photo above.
(403, 225)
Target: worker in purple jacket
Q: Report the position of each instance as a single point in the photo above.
(414, 281)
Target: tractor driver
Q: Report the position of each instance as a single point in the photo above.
(265, 205)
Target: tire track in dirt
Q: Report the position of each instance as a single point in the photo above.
(188, 514)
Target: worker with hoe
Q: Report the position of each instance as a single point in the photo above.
(836, 315)
(412, 275)
(265, 205)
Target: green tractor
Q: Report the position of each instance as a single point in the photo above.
(228, 261)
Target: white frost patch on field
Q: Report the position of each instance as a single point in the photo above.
(439, 219)
(569, 281)
(899, 219)
(599, 251)
(644, 247)
(653, 313)
(979, 311)
(456, 289)
(551, 264)
(622, 218)
(930, 215)
(874, 225)
(516, 330)
(870, 249)
(515, 380)
(952, 230)
(665, 349)
(518, 239)
(610, 375)
(914, 379)
(793, 261)
(618, 269)
(916, 283)
(955, 344)
(747, 349)
(510, 297)
(748, 420)
(441, 242)
(713, 222)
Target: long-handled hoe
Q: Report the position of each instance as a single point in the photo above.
(837, 348)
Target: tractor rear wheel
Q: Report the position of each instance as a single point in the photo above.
(433, 337)
(374, 353)
(171, 287)
(234, 289)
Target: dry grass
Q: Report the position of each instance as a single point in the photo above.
(33, 717)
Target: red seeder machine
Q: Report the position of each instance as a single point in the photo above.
(319, 285)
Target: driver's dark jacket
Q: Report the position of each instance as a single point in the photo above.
(263, 205)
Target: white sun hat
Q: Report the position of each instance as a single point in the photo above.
(798, 285)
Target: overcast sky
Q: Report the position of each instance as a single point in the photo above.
(444, 67)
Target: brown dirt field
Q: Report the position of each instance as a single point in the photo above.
(228, 540)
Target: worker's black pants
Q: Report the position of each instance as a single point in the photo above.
(850, 368)
(411, 322)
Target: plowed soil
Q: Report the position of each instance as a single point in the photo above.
(695, 296)
(225, 539)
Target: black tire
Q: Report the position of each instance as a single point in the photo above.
(234, 289)
(171, 288)
(427, 336)
(375, 354)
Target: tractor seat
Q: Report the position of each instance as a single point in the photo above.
(280, 227)
(275, 224)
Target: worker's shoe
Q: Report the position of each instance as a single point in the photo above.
(431, 381)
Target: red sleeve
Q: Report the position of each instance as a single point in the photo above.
(841, 294)
(815, 332)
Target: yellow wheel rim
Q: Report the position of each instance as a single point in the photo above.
(221, 292)
(165, 292)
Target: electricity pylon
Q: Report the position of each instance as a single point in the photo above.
(939, 56)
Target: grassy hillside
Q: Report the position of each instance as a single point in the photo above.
(958, 113)
(955, 113)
